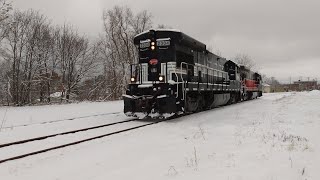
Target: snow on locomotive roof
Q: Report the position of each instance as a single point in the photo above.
(145, 41)
(172, 30)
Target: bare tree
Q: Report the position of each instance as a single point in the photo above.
(24, 49)
(246, 60)
(141, 22)
(47, 61)
(4, 95)
(120, 25)
(37, 52)
(214, 50)
(38, 59)
(5, 9)
(17, 38)
(269, 80)
(5, 12)
(76, 58)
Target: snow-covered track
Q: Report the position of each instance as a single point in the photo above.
(66, 119)
(62, 133)
(80, 141)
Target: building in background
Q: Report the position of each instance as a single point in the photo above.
(305, 85)
(266, 88)
(296, 86)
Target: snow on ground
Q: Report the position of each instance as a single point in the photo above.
(20, 116)
(272, 138)
(28, 122)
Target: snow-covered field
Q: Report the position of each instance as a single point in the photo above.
(276, 137)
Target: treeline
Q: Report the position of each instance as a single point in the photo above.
(41, 62)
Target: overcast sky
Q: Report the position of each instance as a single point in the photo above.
(282, 36)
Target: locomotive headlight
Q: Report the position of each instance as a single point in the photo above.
(133, 79)
(153, 47)
(152, 43)
(161, 78)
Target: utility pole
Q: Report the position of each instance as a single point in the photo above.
(290, 79)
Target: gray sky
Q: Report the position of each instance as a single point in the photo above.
(282, 36)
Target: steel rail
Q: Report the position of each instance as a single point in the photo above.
(61, 120)
(77, 142)
(63, 133)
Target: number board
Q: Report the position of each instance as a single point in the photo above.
(145, 45)
(163, 43)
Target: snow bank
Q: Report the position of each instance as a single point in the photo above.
(314, 93)
(277, 96)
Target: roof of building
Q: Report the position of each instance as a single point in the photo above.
(299, 82)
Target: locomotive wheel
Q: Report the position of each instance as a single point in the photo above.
(245, 96)
(195, 102)
(238, 97)
(201, 103)
(192, 104)
(233, 99)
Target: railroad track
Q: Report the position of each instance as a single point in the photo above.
(62, 133)
(61, 120)
(72, 143)
(75, 131)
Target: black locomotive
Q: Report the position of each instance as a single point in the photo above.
(176, 74)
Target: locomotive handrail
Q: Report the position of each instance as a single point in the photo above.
(201, 65)
(175, 73)
(166, 76)
(224, 74)
(140, 73)
(181, 64)
(135, 71)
